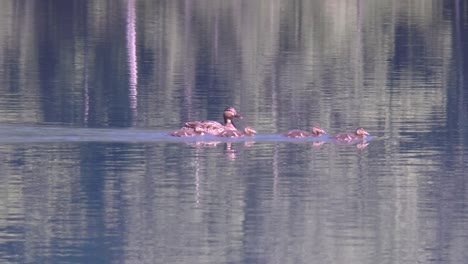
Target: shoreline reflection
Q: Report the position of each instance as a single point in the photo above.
(230, 151)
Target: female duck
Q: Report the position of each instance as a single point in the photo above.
(209, 126)
(316, 131)
(188, 132)
(248, 131)
(360, 133)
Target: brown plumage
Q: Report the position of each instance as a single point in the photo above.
(209, 126)
(360, 133)
(296, 133)
(188, 132)
(248, 131)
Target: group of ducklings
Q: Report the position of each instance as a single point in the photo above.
(199, 128)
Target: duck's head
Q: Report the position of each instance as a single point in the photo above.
(248, 130)
(317, 131)
(362, 132)
(230, 113)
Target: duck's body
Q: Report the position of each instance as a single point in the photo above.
(360, 133)
(188, 132)
(211, 127)
(248, 131)
(316, 131)
(297, 133)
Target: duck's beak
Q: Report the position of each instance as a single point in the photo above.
(238, 116)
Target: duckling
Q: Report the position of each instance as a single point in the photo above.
(360, 133)
(316, 131)
(188, 132)
(248, 131)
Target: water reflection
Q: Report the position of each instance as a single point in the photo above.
(230, 149)
(114, 195)
(132, 61)
(360, 144)
(172, 199)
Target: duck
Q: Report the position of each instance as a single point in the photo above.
(248, 131)
(211, 127)
(360, 133)
(316, 131)
(188, 132)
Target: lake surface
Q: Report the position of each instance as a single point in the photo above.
(91, 89)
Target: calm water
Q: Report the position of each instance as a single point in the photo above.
(90, 89)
